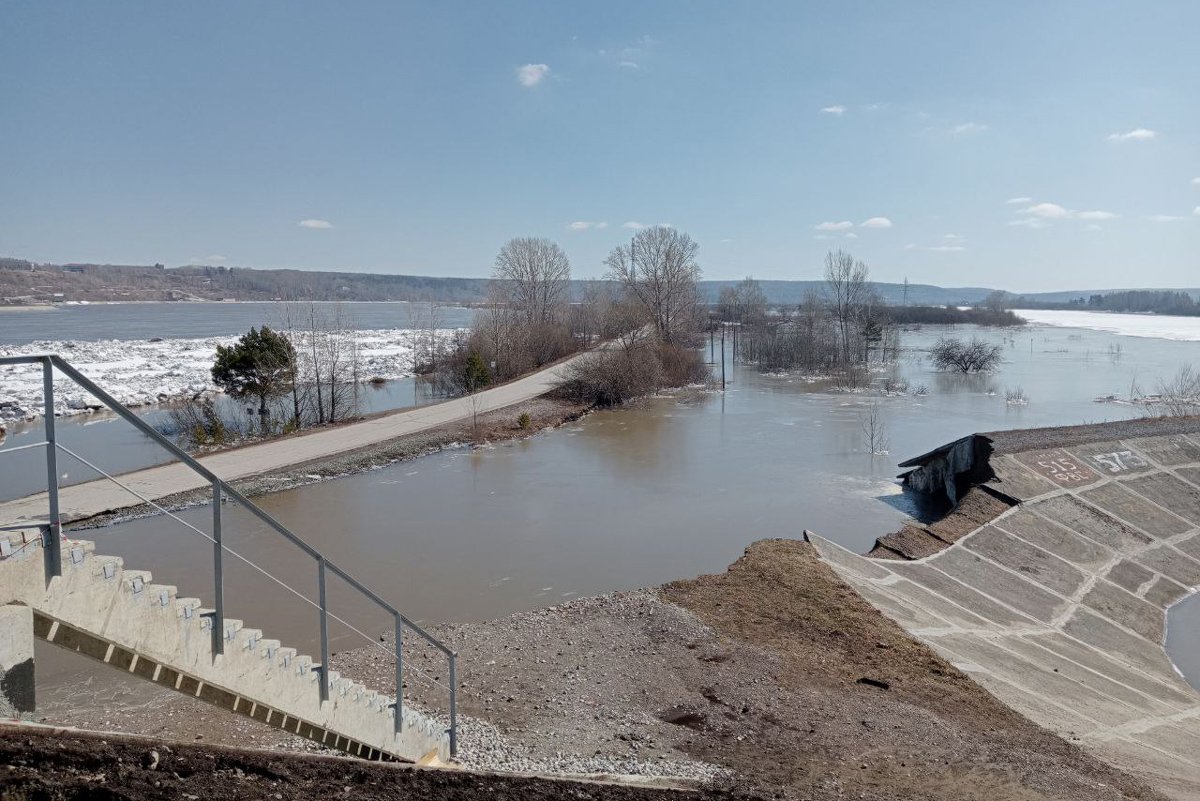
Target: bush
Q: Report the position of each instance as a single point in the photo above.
(965, 357)
(524, 421)
(611, 377)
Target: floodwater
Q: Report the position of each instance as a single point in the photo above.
(93, 321)
(671, 488)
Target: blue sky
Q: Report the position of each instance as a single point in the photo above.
(1028, 145)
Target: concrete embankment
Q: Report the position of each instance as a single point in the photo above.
(1056, 604)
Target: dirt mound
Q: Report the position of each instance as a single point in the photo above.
(823, 726)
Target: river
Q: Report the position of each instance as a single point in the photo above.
(669, 488)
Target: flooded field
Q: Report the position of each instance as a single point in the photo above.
(669, 488)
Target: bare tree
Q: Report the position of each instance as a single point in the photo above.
(536, 275)
(846, 284)
(874, 429)
(658, 268)
(1179, 396)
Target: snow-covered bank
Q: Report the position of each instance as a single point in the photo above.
(141, 372)
(1154, 326)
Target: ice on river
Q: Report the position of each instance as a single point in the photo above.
(1156, 326)
(140, 372)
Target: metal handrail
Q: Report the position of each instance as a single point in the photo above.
(220, 490)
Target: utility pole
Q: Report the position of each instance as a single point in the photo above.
(906, 290)
(712, 355)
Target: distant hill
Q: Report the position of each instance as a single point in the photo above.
(23, 281)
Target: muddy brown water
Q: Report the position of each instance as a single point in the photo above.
(671, 488)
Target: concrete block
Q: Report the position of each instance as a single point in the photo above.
(1172, 563)
(1168, 688)
(972, 600)
(1123, 607)
(1092, 523)
(1058, 540)
(1008, 588)
(1135, 510)
(1130, 648)
(1191, 474)
(1172, 493)
(1039, 565)
(1163, 593)
(1018, 481)
(1039, 679)
(1090, 674)
(1061, 468)
(1112, 458)
(1129, 575)
(908, 614)
(1169, 451)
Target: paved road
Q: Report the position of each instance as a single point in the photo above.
(95, 497)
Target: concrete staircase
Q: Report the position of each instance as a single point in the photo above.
(119, 616)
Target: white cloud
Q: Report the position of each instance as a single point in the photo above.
(948, 248)
(836, 111)
(724, 241)
(851, 235)
(967, 128)
(1028, 222)
(1164, 218)
(834, 226)
(1048, 211)
(634, 225)
(586, 225)
(629, 65)
(1196, 182)
(876, 222)
(1196, 211)
(1136, 135)
(320, 225)
(1094, 227)
(952, 237)
(532, 74)
(1053, 211)
(1012, 201)
(822, 236)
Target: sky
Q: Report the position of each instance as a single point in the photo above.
(1024, 145)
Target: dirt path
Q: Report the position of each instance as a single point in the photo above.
(95, 497)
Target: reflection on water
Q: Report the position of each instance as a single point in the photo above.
(635, 497)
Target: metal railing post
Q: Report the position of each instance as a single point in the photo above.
(218, 630)
(398, 723)
(53, 553)
(323, 670)
(453, 705)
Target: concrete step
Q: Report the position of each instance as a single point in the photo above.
(121, 617)
(162, 596)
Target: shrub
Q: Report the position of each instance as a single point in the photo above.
(965, 357)
(524, 421)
